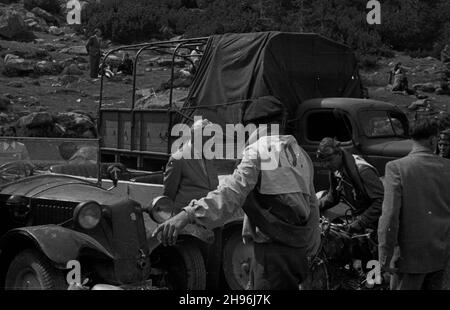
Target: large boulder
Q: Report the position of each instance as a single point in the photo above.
(13, 27)
(36, 119)
(5, 102)
(51, 47)
(52, 6)
(425, 87)
(418, 104)
(47, 68)
(76, 124)
(49, 18)
(53, 30)
(36, 23)
(15, 84)
(75, 50)
(16, 66)
(68, 79)
(72, 70)
(167, 62)
(31, 53)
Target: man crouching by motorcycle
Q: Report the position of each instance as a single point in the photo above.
(354, 182)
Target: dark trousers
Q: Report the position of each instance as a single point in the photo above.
(418, 281)
(94, 64)
(277, 267)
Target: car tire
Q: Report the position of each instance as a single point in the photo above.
(185, 267)
(236, 262)
(31, 270)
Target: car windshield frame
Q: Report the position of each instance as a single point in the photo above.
(365, 116)
(21, 157)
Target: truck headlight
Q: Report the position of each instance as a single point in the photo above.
(87, 214)
(162, 209)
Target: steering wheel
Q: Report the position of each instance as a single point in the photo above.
(16, 170)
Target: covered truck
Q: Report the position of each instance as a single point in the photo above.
(235, 70)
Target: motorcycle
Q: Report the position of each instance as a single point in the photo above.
(345, 261)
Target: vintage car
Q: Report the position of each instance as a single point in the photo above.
(50, 220)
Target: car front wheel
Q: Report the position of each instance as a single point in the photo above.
(30, 270)
(183, 265)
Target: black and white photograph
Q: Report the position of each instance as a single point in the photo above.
(235, 146)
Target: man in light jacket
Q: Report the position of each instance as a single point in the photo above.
(274, 186)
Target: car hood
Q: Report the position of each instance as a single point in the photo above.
(59, 187)
(393, 148)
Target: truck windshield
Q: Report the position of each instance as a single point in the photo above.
(382, 124)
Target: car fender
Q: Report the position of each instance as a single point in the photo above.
(59, 244)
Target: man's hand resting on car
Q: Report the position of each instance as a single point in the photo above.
(171, 228)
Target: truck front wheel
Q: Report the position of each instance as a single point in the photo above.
(30, 270)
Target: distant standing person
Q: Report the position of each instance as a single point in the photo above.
(400, 82)
(93, 47)
(445, 55)
(414, 228)
(126, 66)
(444, 144)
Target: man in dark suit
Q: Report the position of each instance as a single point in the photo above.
(191, 178)
(414, 228)
(93, 47)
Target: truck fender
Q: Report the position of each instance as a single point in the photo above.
(59, 244)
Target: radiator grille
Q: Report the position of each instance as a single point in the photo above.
(51, 212)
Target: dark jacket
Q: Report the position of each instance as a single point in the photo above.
(126, 66)
(414, 228)
(358, 185)
(93, 46)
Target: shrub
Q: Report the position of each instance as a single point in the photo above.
(51, 6)
(129, 22)
(368, 62)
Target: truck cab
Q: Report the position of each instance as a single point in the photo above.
(376, 130)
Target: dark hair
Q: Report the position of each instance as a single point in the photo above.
(424, 128)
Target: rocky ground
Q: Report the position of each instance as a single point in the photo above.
(424, 75)
(44, 71)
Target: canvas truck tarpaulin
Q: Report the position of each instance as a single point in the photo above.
(238, 68)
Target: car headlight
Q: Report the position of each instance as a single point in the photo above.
(162, 209)
(87, 214)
